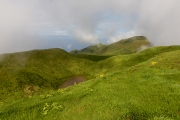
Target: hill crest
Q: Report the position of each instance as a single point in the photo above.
(124, 46)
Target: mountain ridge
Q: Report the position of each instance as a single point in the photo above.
(124, 46)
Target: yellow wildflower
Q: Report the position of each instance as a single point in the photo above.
(102, 75)
(153, 63)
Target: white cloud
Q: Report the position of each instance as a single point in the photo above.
(121, 36)
(85, 37)
(59, 33)
(157, 19)
(69, 46)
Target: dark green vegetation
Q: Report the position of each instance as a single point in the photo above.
(95, 58)
(26, 72)
(140, 86)
(125, 46)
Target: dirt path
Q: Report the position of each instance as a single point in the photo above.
(72, 81)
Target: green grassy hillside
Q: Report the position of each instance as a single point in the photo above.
(124, 61)
(140, 86)
(125, 46)
(92, 50)
(95, 58)
(38, 70)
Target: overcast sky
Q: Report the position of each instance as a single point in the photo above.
(74, 24)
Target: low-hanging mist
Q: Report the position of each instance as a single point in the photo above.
(21, 21)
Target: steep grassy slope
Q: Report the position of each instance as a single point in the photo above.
(38, 70)
(141, 86)
(125, 46)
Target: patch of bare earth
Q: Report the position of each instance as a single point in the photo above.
(30, 89)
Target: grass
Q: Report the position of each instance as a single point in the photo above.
(124, 46)
(45, 69)
(124, 87)
(95, 58)
(91, 50)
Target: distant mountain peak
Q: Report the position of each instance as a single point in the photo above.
(123, 46)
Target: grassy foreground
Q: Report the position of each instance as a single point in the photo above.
(141, 86)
